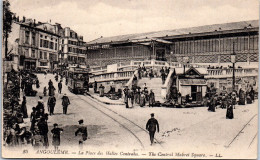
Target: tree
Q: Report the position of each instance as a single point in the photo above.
(7, 24)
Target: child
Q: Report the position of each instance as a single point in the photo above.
(56, 135)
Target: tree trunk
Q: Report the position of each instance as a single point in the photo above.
(6, 44)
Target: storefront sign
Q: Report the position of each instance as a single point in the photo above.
(193, 82)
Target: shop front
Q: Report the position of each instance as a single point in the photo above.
(190, 85)
(30, 64)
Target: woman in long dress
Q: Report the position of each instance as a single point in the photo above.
(229, 114)
(142, 99)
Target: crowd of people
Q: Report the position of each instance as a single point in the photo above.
(16, 132)
(227, 100)
(150, 72)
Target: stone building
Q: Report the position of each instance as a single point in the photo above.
(72, 48)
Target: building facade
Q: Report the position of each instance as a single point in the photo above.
(72, 49)
(37, 44)
(208, 45)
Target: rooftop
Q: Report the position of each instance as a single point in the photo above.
(182, 31)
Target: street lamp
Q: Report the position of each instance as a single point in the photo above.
(233, 60)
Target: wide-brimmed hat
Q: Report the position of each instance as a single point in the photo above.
(80, 121)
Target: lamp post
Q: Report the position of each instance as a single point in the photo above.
(233, 60)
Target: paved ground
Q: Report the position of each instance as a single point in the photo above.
(187, 130)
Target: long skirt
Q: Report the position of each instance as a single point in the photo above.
(241, 101)
(142, 101)
(230, 114)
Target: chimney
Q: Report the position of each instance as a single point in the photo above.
(34, 24)
(24, 19)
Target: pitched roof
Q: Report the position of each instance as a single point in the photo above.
(182, 31)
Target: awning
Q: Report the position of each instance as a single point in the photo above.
(30, 60)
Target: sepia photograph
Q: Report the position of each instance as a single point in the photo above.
(135, 79)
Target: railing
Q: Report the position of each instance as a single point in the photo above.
(126, 70)
(228, 72)
(113, 76)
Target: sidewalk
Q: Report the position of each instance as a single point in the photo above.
(104, 99)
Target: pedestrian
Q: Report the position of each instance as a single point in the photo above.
(229, 114)
(59, 87)
(37, 83)
(56, 77)
(51, 90)
(151, 99)
(137, 95)
(135, 81)
(50, 83)
(126, 93)
(44, 91)
(37, 139)
(234, 98)
(95, 87)
(139, 72)
(56, 132)
(84, 133)
(101, 90)
(24, 108)
(142, 99)
(40, 104)
(51, 104)
(162, 75)
(252, 94)
(43, 128)
(65, 103)
(33, 118)
(146, 93)
(132, 97)
(25, 136)
(151, 125)
(45, 74)
(242, 97)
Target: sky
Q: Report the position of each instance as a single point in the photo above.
(95, 18)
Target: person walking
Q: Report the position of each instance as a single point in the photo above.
(84, 133)
(151, 125)
(59, 87)
(51, 104)
(56, 132)
(65, 103)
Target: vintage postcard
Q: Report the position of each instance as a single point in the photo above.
(156, 79)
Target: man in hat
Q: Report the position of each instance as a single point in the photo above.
(65, 103)
(59, 87)
(51, 104)
(56, 132)
(151, 126)
(83, 130)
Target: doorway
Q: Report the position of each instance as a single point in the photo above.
(196, 93)
(160, 54)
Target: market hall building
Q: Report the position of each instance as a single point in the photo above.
(207, 45)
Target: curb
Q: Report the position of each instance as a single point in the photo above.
(102, 101)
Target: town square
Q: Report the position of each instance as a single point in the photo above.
(184, 91)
